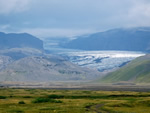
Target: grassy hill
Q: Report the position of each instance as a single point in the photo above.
(137, 71)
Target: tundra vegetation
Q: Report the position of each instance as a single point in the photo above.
(72, 101)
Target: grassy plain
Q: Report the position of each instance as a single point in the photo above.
(72, 101)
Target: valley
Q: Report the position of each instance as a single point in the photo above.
(74, 56)
(56, 79)
(103, 61)
(51, 63)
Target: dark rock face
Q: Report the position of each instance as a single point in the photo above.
(13, 40)
(136, 39)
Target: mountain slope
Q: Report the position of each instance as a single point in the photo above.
(23, 59)
(137, 71)
(4, 61)
(135, 39)
(44, 69)
(13, 40)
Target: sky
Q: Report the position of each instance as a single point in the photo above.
(68, 18)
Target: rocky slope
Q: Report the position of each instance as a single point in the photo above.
(44, 69)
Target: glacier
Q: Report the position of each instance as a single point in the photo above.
(101, 60)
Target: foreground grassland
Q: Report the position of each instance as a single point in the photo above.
(73, 101)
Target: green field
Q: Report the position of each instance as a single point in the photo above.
(72, 101)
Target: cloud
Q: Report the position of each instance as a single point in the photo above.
(4, 27)
(42, 33)
(13, 6)
(139, 14)
(90, 13)
(72, 17)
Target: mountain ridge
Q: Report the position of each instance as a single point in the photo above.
(133, 39)
(19, 40)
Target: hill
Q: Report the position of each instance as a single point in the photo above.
(21, 40)
(133, 39)
(137, 71)
(44, 69)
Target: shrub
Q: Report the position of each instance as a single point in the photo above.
(21, 102)
(55, 96)
(42, 100)
(2, 97)
(10, 96)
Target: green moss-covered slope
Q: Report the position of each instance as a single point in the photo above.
(137, 71)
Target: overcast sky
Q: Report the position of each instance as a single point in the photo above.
(51, 18)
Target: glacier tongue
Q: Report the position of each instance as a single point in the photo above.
(101, 60)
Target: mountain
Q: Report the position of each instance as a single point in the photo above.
(18, 53)
(133, 39)
(137, 71)
(45, 69)
(4, 61)
(23, 59)
(20, 45)
(14, 40)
